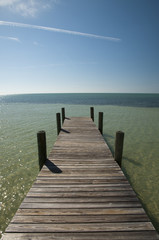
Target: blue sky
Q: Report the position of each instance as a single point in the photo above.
(51, 46)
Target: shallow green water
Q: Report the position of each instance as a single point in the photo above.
(19, 123)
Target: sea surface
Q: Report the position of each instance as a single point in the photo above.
(22, 116)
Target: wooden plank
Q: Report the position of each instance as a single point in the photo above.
(79, 189)
(86, 227)
(81, 199)
(80, 219)
(134, 235)
(65, 181)
(78, 212)
(80, 205)
(81, 194)
(79, 186)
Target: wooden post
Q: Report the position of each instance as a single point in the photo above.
(41, 139)
(100, 122)
(58, 120)
(119, 147)
(92, 113)
(63, 114)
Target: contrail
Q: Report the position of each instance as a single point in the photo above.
(51, 29)
(10, 38)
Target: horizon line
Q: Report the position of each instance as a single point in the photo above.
(8, 94)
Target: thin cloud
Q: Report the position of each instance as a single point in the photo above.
(59, 30)
(10, 38)
(27, 8)
(35, 43)
(7, 2)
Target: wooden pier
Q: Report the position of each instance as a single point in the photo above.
(80, 193)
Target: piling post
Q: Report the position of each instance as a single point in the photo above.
(100, 122)
(119, 141)
(92, 113)
(42, 152)
(63, 114)
(58, 120)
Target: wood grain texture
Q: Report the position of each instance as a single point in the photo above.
(134, 235)
(80, 193)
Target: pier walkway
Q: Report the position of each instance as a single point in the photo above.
(80, 193)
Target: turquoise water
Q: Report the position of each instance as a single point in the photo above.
(20, 121)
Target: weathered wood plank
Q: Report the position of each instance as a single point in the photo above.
(75, 173)
(81, 199)
(81, 194)
(137, 235)
(78, 212)
(78, 189)
(86, 227)
(46, 180)
(79, 186)
(80, 205)
(80, 219)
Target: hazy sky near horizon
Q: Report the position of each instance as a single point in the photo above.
(51, 46)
